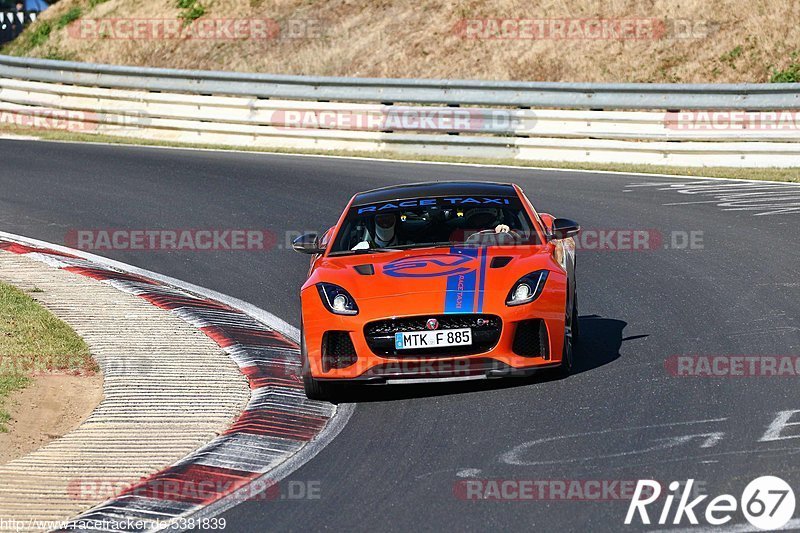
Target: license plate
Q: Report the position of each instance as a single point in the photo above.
(405, 340)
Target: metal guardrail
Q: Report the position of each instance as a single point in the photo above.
(419, 91)
(510, 120)
(271, 116)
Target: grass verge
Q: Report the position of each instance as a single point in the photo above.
(791, 175)
(33, 340)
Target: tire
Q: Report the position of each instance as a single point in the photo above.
(317, 390)
(566, 358)
(576, 332)
(570, 339)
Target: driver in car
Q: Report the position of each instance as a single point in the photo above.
(385, 230)
(385, 235)
(483, 220)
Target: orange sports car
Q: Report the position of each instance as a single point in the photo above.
(437, 281)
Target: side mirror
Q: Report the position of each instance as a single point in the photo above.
(564, 228)
(307, 244)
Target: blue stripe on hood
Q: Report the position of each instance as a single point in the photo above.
(460, 295)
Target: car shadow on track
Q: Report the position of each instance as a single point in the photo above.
(600, 342)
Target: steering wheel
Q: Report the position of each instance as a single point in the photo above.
(476, 218)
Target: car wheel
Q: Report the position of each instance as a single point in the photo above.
(316, 390)
(567, 355)
(566, 359)
(576, 333)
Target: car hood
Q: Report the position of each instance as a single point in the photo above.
(460, 274)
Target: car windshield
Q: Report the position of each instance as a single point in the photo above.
(436, 221)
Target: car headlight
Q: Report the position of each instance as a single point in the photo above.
(528, 288)
(336, 299)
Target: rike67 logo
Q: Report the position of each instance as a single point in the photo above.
(767, 502)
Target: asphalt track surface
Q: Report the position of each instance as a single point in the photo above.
(397, 463)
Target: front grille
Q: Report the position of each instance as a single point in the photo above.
(485, 334)
(530, 339)
(337, 350)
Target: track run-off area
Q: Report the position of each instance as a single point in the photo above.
(677, 278)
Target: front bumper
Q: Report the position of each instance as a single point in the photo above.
(434, 371)
(372, 364)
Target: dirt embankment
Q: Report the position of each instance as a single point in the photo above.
(553, 40)
(49, 382)
(51, 406)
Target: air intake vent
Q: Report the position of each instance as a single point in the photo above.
(530, 339)
(500, 262)
(365, 270)
(337, 350)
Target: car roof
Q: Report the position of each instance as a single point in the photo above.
(434, 188)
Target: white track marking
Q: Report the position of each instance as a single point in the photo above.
(780, 422)
(794, 451)
(765, 198)
(710, 439)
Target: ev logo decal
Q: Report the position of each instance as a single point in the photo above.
(767, 502)
(430, 266)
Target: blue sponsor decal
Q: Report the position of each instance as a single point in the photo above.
(460, 295)
(484, 253)
(464, 268)
(456, 200)
(430, 266)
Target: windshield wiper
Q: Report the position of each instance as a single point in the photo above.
(363, 251)
(427, 245)
(371, 250)
(396, 248)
